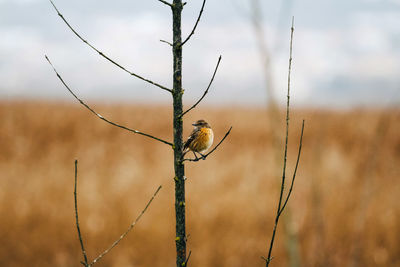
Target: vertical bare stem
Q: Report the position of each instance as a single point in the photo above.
(76, 216)
(279, 211)
(180, 238)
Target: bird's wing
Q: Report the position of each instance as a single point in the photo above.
(192, 137)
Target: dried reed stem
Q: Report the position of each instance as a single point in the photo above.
(280, 207)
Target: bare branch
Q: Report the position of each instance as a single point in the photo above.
(208, 87)
(287, 116)
(279, 210)
(76, 216)
(187, 259)
(195, 25)
(127, 231)
(166, 3)
(100, 116)
(163, 41)
(206, 155)
(105, 56)
(295, 169)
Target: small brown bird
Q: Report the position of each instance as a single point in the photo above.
(200, 140)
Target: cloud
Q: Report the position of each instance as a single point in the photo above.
(359, 51)
(361, 59)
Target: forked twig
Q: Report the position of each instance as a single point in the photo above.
(295, 169)
(85, 263)
(195, 25)
(97, 114)
(206, 91)
(206, 155)
(105, 56)
(187, 259)
(280, 207)
(127, 231)
(77, 217)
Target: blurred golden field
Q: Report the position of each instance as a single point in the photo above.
(344, 210)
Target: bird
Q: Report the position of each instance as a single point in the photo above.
(200, 140)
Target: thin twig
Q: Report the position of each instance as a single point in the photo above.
(206, 155)
(195, 25)
(187, 259)
(77, 217)
(295, 169)
(97, 114)
(279, 211)
(105, 56)
(163, 41)
(165, 2)
(127, 231)
(287, 117)
(206, 91)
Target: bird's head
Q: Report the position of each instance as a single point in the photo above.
(201, 124)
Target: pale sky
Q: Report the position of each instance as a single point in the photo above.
(346, 52)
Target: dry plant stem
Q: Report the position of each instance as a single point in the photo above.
(291, 243)
(206, 155)
(208, 87)
(77, 217)
(105, 56)
(195, 25)
(295, 170)
(279, 210)
(128, 230)
(179, 167)
(100, 116)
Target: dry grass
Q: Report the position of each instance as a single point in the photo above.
(344, 209)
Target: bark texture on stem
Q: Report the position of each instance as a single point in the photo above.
(177, 92)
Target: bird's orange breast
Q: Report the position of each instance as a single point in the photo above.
(203, 140)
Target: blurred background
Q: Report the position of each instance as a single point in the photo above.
(345, 84)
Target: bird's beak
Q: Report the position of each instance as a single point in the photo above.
(194, 124)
